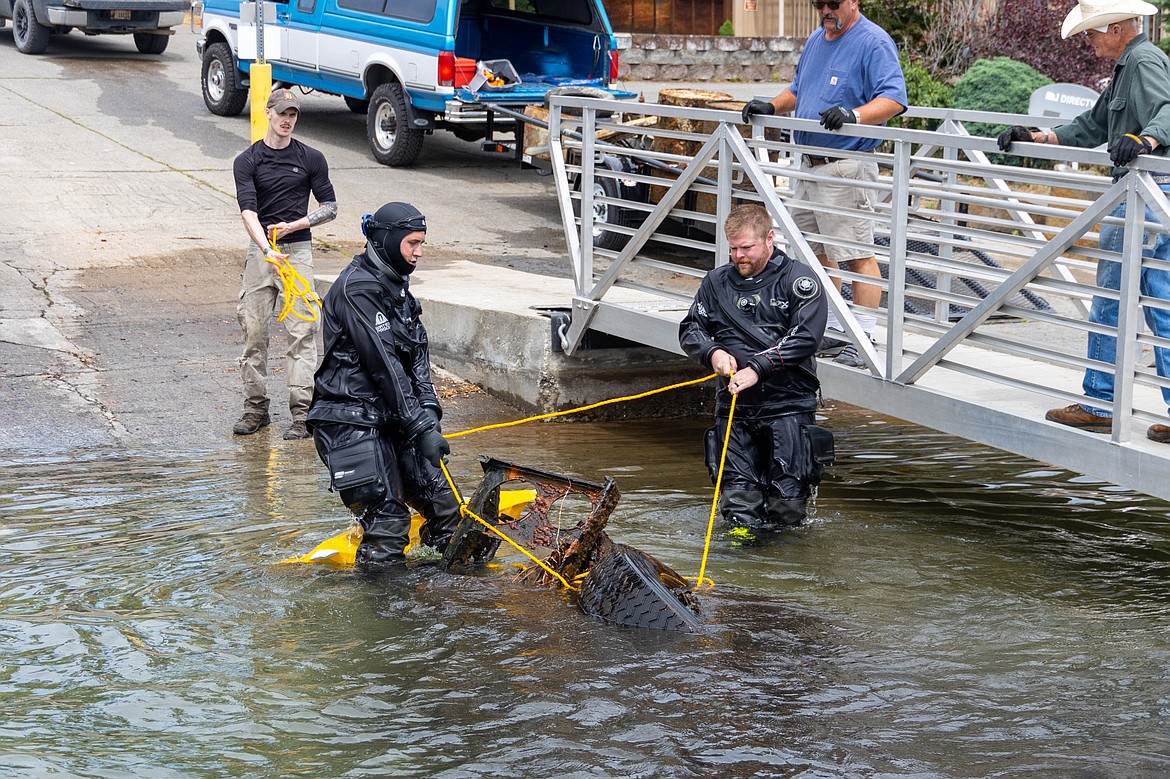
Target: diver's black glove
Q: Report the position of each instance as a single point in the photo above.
(837, 117)
(757, 107)
(1127, 148)
(1015, 133)
(432, 446)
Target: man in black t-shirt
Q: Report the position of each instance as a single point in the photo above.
(274, 178)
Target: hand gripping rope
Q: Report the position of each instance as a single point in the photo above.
(700, 580)
(295, 288)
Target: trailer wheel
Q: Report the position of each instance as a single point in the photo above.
(628, 587)
(357, 104)
(30, 36)
(220, 93)
(393, 141)
(604, 214)
(151, 43)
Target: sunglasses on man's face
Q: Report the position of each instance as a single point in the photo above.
(833, 4)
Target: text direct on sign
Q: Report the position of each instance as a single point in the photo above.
(1063, 101)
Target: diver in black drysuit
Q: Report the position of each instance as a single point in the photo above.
(772, 323)
(375, 417)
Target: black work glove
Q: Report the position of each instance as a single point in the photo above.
(432, 446)
(433, 415)
(837, 117)
(1015, 133)
(757, 107)
(1127, 148)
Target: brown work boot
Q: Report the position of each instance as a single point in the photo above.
(252, 420)
(1159, 433)
(1075, 416)
(296, 431)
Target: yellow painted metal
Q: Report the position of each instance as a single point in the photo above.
(259, 88)
(340, 550)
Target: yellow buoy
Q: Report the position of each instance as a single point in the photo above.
(340, 550)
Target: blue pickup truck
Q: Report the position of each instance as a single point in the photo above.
(413, 65)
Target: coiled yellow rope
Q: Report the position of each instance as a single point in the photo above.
(295, 288)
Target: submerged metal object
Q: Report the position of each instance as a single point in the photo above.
(564, 527)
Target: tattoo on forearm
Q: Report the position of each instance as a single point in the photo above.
(326, 213)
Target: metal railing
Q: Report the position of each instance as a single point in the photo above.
(984, 260)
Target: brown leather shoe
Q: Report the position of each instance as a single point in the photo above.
(1075, 416)
(251, 421)
(1159, 433)
(296, 431)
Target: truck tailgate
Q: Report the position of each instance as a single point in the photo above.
(527, 93)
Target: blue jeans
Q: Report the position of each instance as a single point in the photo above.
(1154, 284)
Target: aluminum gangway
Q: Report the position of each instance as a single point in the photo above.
(990, 260)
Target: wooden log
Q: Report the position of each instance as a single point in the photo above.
(535, 138)
(692, 98)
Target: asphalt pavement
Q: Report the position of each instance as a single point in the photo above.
(122, 242)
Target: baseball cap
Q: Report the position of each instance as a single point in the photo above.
(283, 99)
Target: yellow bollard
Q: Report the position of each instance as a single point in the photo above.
(259, 88)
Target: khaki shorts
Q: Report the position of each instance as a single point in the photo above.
(841, 194)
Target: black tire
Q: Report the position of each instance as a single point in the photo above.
(628, 587)
(604, 214)
(220, 93)
(151, 43)
(357, 104)
(392, 140)
(30, 36)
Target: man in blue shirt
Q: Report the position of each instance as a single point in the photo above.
(848, 73)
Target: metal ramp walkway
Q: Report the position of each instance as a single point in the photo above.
(979, 359)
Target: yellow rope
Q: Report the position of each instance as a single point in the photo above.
(581, 408)
(295, 287)
(463, 509)
(701, 580)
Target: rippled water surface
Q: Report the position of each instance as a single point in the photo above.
(951, 611)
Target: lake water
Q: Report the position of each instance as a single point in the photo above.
(949, 611)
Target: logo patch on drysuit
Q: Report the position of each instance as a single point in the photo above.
(805, 288)
(381, 323)
(748, 303)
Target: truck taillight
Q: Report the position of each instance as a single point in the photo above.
(446, 68)
(613, 65)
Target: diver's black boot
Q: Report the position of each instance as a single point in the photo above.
(743, 511)
(383, 542)
(787, 512)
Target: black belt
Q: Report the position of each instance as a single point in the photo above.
(815, 161)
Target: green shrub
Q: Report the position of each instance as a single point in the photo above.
(998, 84)
(726, 28)
(922, 90)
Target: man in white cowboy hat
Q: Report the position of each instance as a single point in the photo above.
(1133, 117)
